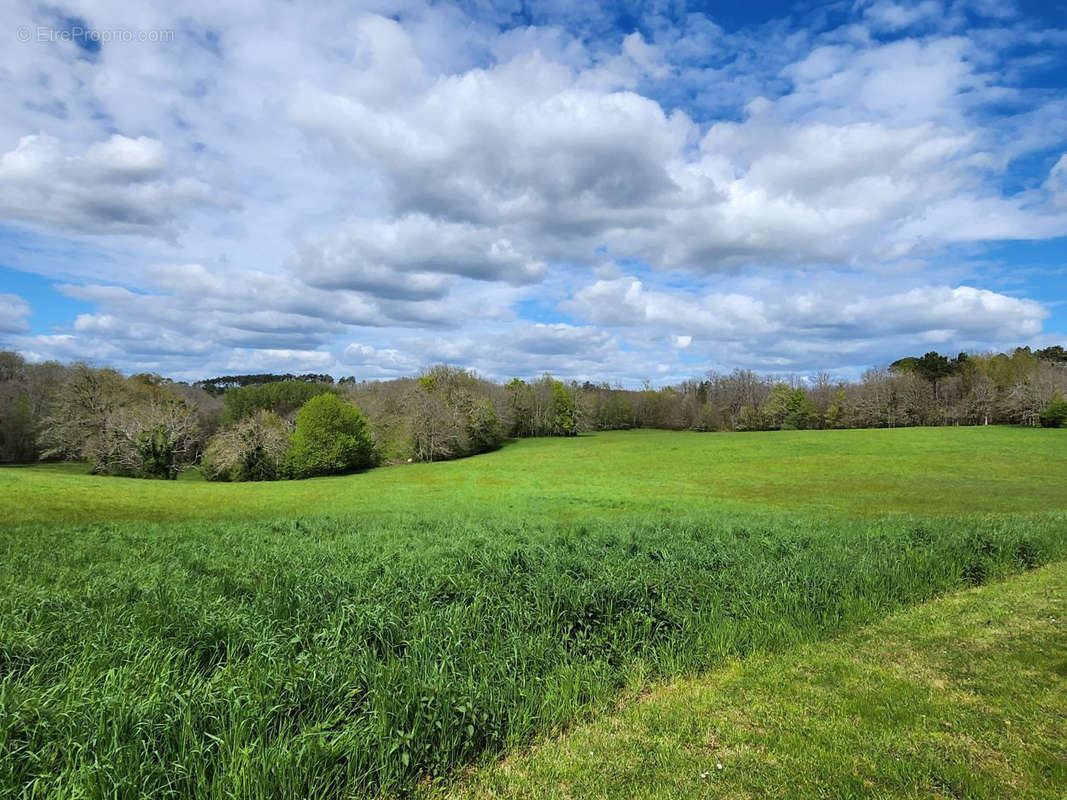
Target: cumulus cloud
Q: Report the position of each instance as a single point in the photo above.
(409, 257)
(527, 148)
(527, 350)
(14, 314)
(116, 186)
(384, 361)
(375, 191)
(819, 315)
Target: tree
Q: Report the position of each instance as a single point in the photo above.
(1055, 416)
(17, 434)
(773, 410)
(453, 415)
(122, 426)
(1021, 404)
(800, 411)
(564, 411)
(1056, 354)
(748, 419)
(522, 403)
(615, 412)
(484, 430)
(156, 437)
(438, 419)
(281, 397)
(254, 449)
(837, 411)
(78, 416)
(981, 400)
(330, 438)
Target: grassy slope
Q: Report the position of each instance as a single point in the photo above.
(630, 473)
(963, 697)
(326, 658)
(320, 637)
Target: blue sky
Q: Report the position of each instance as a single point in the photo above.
(616, 192)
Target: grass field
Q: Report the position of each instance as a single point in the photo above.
(359, 635)
(963, 697)
(627, 473)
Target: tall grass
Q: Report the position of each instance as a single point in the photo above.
(335, 657)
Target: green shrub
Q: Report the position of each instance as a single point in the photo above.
(1055, 416)
(331, 438)
(252, 450)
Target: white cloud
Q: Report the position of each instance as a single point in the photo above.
(889, 16)
(381, 361)
(117, 186)
(1057, 182)
(14, 314)
(819, 314)
(408, 257)
(381, 189)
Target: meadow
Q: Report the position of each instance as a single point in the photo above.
(961, 697)
(375, 633)
(866, 473)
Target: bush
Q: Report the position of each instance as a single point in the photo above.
(331, 438)
(1055, 416)
(252, 450)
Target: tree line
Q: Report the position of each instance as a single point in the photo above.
(266, 426)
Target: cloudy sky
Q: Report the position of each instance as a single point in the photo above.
(625, 192)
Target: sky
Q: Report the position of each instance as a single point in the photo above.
(619, 192)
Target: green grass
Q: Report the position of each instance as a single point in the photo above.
(357, 635)
(963, 697)
(622, 474)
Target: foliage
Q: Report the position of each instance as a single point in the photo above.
(18, 434)
(79, 412)
(485, 432)
(330, 438)
(164, 435)
(786, 408)
(546, 407)
(608, 409)
(564, 411)
(133, 427)
(1055, 353)
(1055, 416)
(443, 414)
(254, 449)
(837, 411)
(53, 411)
(221, 384)
(452, 416)
(748, 419)
(283, 398)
